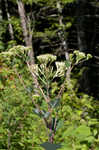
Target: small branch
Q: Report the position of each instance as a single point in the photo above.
(22, 82)
(36, 105)
(78, 63)
(47, 99)
(67, 77)
(61, 90)
(96, 57)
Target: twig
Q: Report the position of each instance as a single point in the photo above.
(36, 105)
(47, 99)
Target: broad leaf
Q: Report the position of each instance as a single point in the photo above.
(50, 146)
(59, 124)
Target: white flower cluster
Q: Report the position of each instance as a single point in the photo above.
(19, 48)
(14, 51)
(79, 56)
(89, 56)
(6, 54)
(61, 67)
(46, 58)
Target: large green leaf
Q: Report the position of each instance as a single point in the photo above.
(82, 132)
(69, 132)
(60, 124)
(50, 146)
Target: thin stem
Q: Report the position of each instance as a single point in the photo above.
(36, 105)
(47, 99)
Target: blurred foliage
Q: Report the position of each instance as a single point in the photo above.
(22, 127)
(39, 107)
(18, 123)
(16, 24)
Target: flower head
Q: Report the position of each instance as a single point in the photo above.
(46, 58)
(61, 67)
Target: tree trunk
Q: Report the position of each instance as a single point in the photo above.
(26, 34)
(64, 44)
(10, 25)
(62, 32)
(1, 25)
(80, 25)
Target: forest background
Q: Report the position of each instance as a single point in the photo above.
(49, 74)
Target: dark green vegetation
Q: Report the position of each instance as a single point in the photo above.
(49, 91)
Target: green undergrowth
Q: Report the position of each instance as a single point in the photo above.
(68, 121)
